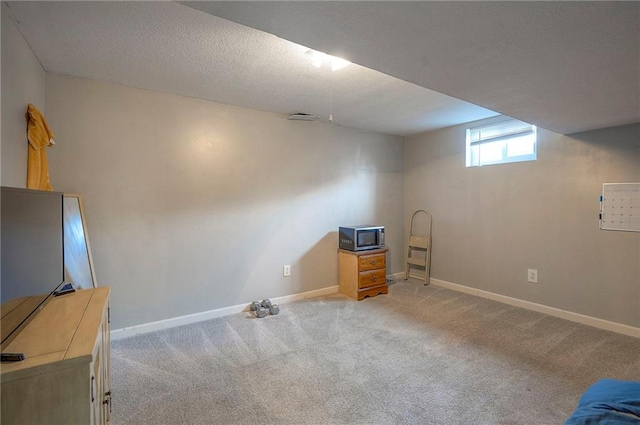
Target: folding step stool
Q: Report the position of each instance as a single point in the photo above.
(419, 244)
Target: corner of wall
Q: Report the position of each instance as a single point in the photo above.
(23, 82)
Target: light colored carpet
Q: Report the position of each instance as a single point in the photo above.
(419, 355)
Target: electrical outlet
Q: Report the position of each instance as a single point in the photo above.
(286, 270)
(533, 276)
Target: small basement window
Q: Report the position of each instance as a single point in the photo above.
(499, 143)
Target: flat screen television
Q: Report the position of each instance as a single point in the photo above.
(31, 254)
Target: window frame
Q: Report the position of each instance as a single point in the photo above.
(505, 137)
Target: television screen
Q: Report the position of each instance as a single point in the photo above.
(32, 250)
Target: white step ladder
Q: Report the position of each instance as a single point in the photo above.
(420, 245)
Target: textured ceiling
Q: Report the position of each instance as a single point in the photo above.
(565, 66)
(173, 48)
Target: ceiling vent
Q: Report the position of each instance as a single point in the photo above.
(303, 117)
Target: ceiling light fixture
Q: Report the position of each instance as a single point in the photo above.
(315, 58)
(318, 58)
(338, 63)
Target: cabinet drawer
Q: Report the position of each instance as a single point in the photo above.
(371, 262)
(372, 278)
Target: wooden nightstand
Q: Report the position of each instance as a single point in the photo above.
(362, 273)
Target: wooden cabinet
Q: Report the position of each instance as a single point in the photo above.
(363, 273)
(64, 378)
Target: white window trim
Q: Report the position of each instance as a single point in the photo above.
(532, 129)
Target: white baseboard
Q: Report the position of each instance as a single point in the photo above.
(306, 295)
(396, 276)
(540, 308)
(212, 314)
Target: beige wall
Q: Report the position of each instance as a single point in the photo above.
(23, 81)
(193, 206)
(493, 223)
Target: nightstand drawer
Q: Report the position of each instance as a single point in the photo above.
(372, 262)
(372, 278)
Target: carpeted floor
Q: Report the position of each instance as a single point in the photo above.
(419, 355)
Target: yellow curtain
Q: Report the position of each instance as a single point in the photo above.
(39, 136)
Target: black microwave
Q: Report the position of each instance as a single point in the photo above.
(362, 237)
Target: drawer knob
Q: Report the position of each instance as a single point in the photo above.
(373, 279)
(372, 262)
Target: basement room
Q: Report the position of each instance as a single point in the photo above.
(320, 212)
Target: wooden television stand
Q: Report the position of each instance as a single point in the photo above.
(64, 378)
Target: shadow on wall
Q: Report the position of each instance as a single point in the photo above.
(602, 156)
(320, 260)
(603, 136)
